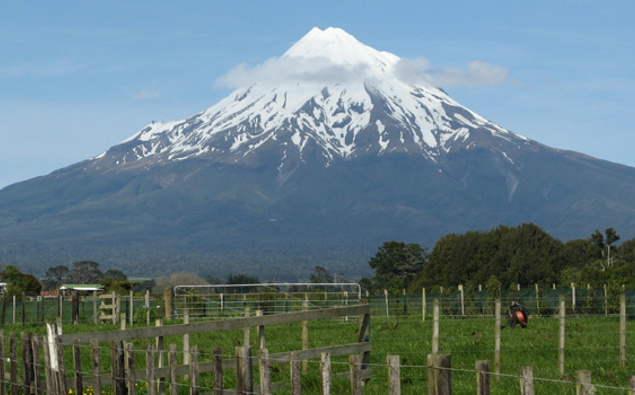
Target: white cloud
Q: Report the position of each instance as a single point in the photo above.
(418, 71)
(275, 70)
(481, 73)
(321, 70)
(414, 71)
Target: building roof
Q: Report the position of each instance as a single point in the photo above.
(82, 287)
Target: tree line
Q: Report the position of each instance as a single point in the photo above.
(506, 256)
(509, 255)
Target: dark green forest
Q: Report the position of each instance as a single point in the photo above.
(523, 255)
(504, 257)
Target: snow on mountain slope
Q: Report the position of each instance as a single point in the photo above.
(327, 91)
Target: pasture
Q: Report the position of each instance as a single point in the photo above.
(593, 341)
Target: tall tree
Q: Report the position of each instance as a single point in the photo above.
(56, 276)
(396, 264)
(611, 237)
(85, 272)
(525, 255)
(604, 244)
(18, 282)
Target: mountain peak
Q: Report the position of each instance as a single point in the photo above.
(329, 98)
(340, 48)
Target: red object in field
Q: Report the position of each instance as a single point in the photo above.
(520, 317)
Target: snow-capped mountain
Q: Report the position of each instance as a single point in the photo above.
(328, 94)
(317, 158)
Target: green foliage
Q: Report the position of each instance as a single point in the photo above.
(112, 284)
(493, 288)
(525, 255)
(396, 264)
(18, 282)
(85, 272)
(55, 276)
(115, 274)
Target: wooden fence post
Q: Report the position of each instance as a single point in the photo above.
(186, 339)
(96, 367)
(526, 381)
(244, 381)
(13, 364)
(364, 336)
(623, 330)
(77, 366)
(167, 300)
(60, 301)
(394, 374)
(583, 383)
(247, 331)
(28, 377)
(265, 373)
(497, 338)
(562, 336)
(118, 368)
(48, 365)
(194, 386)
(147, 306)
(462, 293)
(260, 332)
(386, 298)
(160, 347)
(482, 378)
(355, 366)
(131, 309)
(439, 374)
(172, 363)
(95, 310)
(423, 304)
(37, 370)
(305, 336)
(435, 326)
(573, 298)
(152, 382)
(61, 369)
(325, 372)
(132, 379)
(218, 372)
(75, 307)
(631, 385)
(296, 374)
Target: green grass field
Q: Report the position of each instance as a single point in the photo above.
(592, 343)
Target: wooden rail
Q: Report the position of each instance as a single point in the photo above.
(214, 326)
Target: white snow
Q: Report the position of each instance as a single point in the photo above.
(330, 103)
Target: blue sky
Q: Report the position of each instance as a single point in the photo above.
(77, 77)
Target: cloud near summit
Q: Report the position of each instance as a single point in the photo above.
(321, 70)
(418, 71)
(285, 69)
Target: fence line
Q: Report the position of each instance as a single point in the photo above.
(460, 301)
(169, 374)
